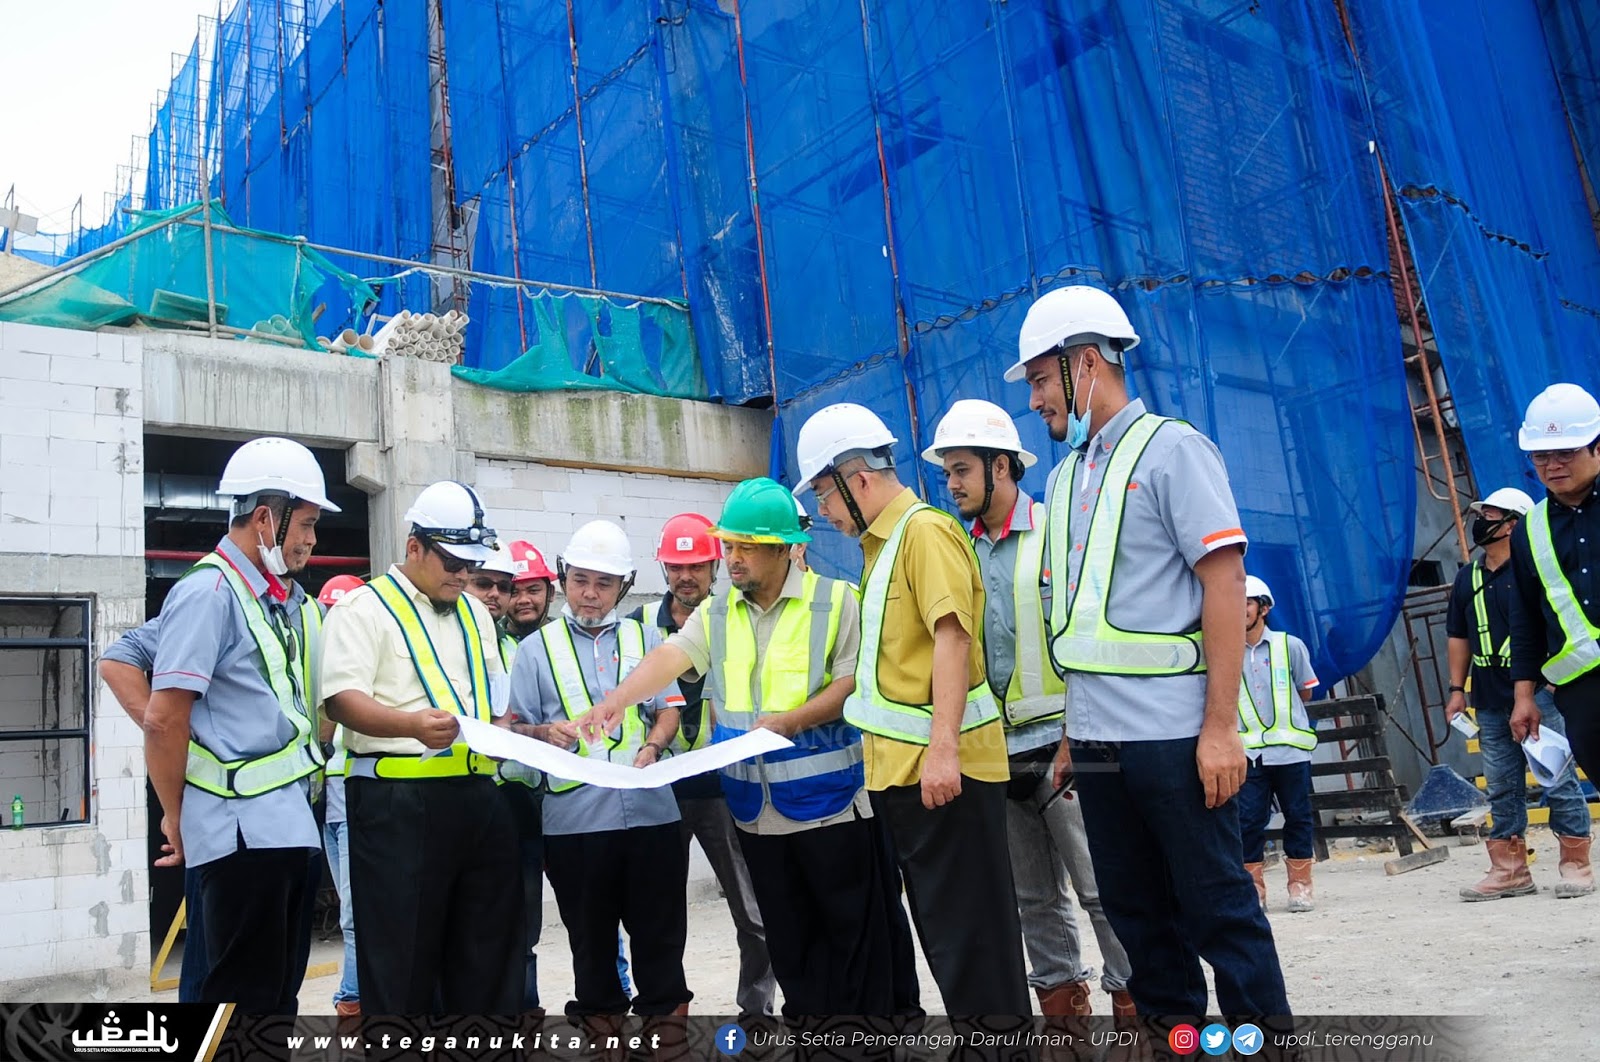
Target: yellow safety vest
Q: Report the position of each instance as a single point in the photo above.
(796, 660)
(702, 736)
(1581, 653)
(1084, 637)
(576, 699)
(867, 708)
(1486, 656)
(302, 756)
(442, 693)
(1035, 693)
(1253, 726)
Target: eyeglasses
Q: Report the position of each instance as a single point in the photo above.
(823, 496)
(1554, 457)
(452, 564)
(484, 583)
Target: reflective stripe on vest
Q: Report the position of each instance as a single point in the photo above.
(1084, 637)
(1486, 656)
(1035, 692)
(1581, 653)
(702, 735)
(576, 699)
(456, 762)
(442, 693)
(508, 651)
(1253, 726)
(867, 707)
(512, 770)
(298, 759)
(820, 775)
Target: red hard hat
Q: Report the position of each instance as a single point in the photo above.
(338, 586)
(686, 539)
(529, 563)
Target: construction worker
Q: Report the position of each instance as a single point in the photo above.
(433, 849)
(231, 730)
(933, 747)
(1478, 625)
(532, 591)
(1556, 606)
(778, 652)
(689, 555)
(1278, 741)
(335, 837)
(983, 460)
(614, 856)
(1153, 658)
(491, 584)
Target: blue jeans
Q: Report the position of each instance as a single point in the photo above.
(334, 840)
(193, 971)
(1172, 882)
(1291, 784)
(1504, 767)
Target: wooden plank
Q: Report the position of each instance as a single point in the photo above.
(1369, 765)
(1376, 799)
(1412, 827)
(1354, 732)
(1423, 857)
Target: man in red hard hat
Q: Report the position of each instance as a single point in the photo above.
(689, 555)
(532, 590)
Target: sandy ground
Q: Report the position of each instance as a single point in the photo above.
(1375, 945)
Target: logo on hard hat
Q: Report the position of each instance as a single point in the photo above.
(520, 567)
(1552, 428)
(685, 544)
(337, 594)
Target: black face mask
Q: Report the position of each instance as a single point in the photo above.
(1485, 530)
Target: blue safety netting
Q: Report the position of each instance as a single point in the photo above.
(1473, 129)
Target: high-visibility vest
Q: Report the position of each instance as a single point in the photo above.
(1035, 693)
(442, 693)
(680, 742)
(867, 707)
(576, 699)
(1581, 653)
(821, 774)
(508, 651)
(1486, 655)
(1253, 727)
(1084, 638)
(301, 757)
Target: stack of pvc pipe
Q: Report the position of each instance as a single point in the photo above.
(423, 335)
(349, 340)
(276, 325)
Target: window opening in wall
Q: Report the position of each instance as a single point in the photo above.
(44, 709)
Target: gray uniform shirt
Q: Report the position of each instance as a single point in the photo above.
(1179, 509)
(535, 700)
(205, 646)
(997, 561)
(1258, 679)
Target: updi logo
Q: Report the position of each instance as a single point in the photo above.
(730, 1039)
(1184, 1039)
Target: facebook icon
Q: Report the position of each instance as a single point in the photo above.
(730, 1039)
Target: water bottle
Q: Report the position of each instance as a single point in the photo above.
(18, 812)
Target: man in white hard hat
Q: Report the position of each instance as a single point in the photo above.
(1153, 658)
(1478, 625)
(231, 729)
(1279, 739)
(614, 856)
(491, 584)
(983, 460)
(933, 743)
(1555, 612)
(434, 869)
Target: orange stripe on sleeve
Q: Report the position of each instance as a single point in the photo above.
(1217, 536)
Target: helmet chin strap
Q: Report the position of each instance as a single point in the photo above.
(988, 482)
(850, 502)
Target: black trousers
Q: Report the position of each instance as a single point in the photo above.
(636, 878)
(1579, 701)
(958, 878)
(527, 811)
(821, 894)
(437, 887)
(256, 905)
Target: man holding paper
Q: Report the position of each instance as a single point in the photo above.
(778, 652)
(613, 855)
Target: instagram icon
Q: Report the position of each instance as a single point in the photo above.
(1184, 1039)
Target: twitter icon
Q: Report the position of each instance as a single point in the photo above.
(1247, 1039)
(1214, 1039)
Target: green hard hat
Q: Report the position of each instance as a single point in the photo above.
(760, 510)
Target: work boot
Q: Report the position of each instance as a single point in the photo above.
(1070, 1000)
(1300, 897)
(1577, 879)
(1508, 872)
(348, 1008)
(1122, 1006)
(1258, 873)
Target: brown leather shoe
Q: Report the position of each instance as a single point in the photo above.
(348, 1008)
(1122, 1005)
(1070, 1000)
(1300, 896)
(1508, 872)
(1577, 878)
(1258, 873)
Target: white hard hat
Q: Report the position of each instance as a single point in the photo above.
(598, 546)
(832, 432)
(975, 424)
(502, 563)
(1077, 312)
(449, 515)
(1509, 499)
(1254, 587)
(1561, 417)
(277, 466)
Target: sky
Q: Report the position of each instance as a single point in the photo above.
(78, 80)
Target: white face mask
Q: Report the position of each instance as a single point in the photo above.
(607, 620)
(272, 556)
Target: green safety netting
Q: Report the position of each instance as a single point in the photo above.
(583, 342)
(159, 278)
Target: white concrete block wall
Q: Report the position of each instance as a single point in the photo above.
(545, 504)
